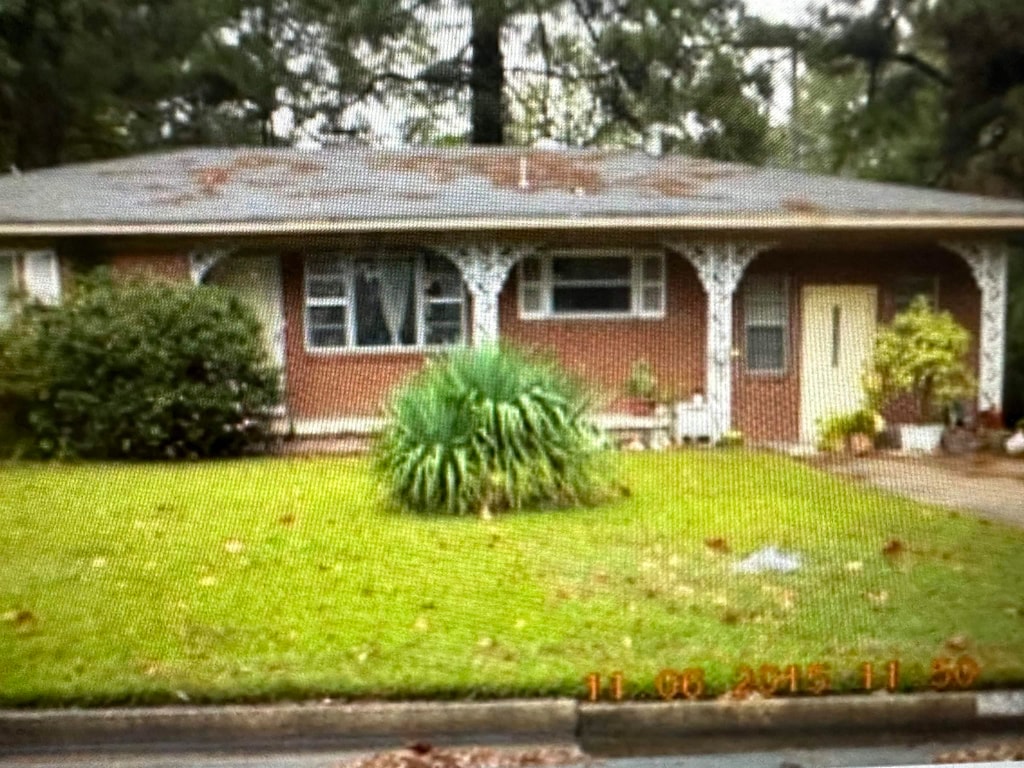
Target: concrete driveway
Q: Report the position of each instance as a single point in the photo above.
(990, 486)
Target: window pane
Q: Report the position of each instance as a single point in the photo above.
(532, 299)
(766, 349)
(652, 299)
(530, 269)
(326, 337)
(325, 287)
(327, 316)
(594, 299)
(444, 335)
(591, 269)
(385, 303)
(444, 313)
(652, 268)
(325, 266)
(443, 286)
(765, 313)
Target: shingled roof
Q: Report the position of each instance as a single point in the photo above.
(362, 188)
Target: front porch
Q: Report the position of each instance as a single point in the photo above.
(702, 311)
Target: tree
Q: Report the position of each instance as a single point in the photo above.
(930, 93)
(609, 72)
(84, 78)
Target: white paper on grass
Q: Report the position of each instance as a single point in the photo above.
(768, 559)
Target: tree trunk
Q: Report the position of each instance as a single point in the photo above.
(487, 75)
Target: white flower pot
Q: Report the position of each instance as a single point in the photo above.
(921, 438)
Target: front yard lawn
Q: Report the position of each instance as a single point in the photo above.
(285, 578)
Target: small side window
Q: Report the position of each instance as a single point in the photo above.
(766, 321)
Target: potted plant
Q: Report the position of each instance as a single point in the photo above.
(922, 356)
(855, 432)
(641, 389)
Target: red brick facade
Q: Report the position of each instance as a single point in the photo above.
(765, 406)
(173, 266)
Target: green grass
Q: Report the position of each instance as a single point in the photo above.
(272, 578)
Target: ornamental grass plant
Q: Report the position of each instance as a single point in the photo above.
(488, 430)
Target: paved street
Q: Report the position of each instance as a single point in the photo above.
(920, 754)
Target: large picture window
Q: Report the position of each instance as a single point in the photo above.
(584, 285)
(766, 321)
(381, 303)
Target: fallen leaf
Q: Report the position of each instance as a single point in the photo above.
(717, 544)
(893, 547)
(286, 519)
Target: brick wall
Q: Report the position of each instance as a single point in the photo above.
(174, 266)
(603, 351)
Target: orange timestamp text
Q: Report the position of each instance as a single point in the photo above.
(771, 680)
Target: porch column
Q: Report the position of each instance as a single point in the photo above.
(201, 262)
(988, 261)
(720, 267)
(484, 269)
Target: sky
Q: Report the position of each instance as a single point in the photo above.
(778, 10)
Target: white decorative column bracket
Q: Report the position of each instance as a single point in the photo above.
(988, 263)
(200, 262)
(484, 268)
(720, 266)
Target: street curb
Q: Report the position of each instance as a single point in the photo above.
(282, 726)
(601, 728)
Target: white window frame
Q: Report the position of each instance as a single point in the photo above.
(786, 323)
(422, 301)
(10, 288)
(637, 285)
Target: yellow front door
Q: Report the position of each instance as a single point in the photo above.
(837, 333)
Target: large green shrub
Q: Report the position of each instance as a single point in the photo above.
(921, 353)
(139, 370)
(488, 430)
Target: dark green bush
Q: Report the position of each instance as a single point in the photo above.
(489, 430)
(142, 370)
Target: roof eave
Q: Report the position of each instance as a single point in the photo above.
(754, 224)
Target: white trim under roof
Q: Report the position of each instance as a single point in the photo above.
(752, 222)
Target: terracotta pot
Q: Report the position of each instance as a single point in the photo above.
(860, 444)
